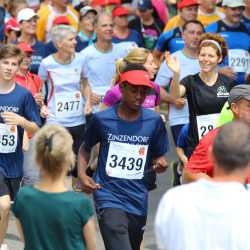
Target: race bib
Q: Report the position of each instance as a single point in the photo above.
(126, 161)
(69, 104)
(8, 138)
(238, 60)
(206, 123)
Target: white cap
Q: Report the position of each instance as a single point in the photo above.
(84, 10)
(233, 3)
(25, 14)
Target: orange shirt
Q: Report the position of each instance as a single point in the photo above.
(31, 82)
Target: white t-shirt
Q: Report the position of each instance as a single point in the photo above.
(204, 215)
(99, 67)
(188, 66)
(65, 102)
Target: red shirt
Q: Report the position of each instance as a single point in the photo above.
(199, 161)
(31, 82)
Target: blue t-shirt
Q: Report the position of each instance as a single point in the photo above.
(238, 42)
(37, 56)
(126, 153)
(133, 36)
(21, 102)
(170, 41)
(51, 49)
(182, 138)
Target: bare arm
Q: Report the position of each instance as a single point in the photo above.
(191, 177)
(88, 183)
(89, 234)
(86, 93)
(157, 56)
(19, 229)
(165, 97)
(181, 155)
(12, 118)
(176, 90)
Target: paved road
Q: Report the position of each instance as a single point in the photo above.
(164, 181)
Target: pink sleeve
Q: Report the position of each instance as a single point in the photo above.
(157, 94)
(112, 96)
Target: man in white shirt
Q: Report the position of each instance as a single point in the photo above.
(211, 214)
(99, 58)
(178, 110)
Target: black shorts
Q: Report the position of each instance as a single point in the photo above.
(77, 134)
(176, 131)
(9, 186)
(121, 230)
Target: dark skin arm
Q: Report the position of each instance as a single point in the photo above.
(88, 184)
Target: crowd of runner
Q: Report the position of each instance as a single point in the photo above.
(82, 86)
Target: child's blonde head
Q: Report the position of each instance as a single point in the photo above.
(53, 150)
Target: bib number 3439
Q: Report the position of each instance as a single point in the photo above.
(126, 161)
(8, 138)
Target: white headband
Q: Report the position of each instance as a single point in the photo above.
(213, 42)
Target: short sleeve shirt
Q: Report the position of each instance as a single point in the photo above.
(65, 101)
(21, 102)
(126, 153)
(205, 102)
(52, 220)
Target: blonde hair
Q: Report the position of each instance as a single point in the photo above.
(135, 56)
(53, 150)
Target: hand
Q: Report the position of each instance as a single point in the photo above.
(89, 185)
(172, 63)
(11, 118)
(39, 99)
(229, 72)
(94, 99)
(179, 103)
(44, 112)
(160, 164)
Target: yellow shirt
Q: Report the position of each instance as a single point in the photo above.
(175, 21)
(206, 19)
(46, 16)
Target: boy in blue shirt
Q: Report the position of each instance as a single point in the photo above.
(18, 112)
(131, 139)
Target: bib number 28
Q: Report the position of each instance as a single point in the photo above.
(206, 123)
(205, 129)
